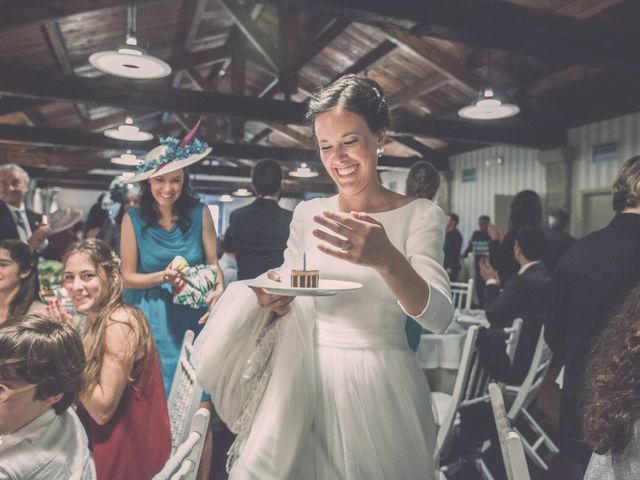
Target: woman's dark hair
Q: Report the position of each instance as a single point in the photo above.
(362, 96)
(97, 215)
(423, 180)
(526, 210)
(29, 290)
(185, 202)
(613, 381)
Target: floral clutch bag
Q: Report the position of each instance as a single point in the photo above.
(199, 280)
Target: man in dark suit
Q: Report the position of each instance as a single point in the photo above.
(452, 247)
(591, 281)
(523, 296)
(16, 221)
(259, 231)
(559, 240)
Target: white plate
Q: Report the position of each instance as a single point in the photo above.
(325, 288)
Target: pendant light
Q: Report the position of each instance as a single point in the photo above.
(129, 159)
(130, 60)
(242, 192)
(303, 171)
(128, 131)
(489, 105)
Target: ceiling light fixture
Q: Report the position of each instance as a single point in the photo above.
(225, 198)
(130, 60)
(489, 105)
(128, 131)
(303, 171)
(242, 192)
(128, 159)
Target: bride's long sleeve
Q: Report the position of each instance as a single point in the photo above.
(424, 251)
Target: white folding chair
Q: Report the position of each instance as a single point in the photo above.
(462, 294)
(185, 394)
(183, 463)
(513, 336)
(470, 388)
(524, 394)
(515, 463)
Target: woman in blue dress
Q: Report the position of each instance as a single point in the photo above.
(169, 222)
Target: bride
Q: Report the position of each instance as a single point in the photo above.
(325, 388)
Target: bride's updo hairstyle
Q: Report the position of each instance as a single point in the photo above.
(362, 96)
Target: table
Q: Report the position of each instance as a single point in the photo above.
(439, 354)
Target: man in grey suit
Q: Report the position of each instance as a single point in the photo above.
(16, 221)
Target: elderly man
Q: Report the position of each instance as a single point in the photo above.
(16, 221)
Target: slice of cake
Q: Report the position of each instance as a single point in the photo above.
(305, 278)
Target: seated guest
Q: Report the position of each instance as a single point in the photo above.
(123, 404)
(18, 280)
(17, 221)
(522, 296)
(41, 368)
(611, 422)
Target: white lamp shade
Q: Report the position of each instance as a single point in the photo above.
(130, 62)
(129, 132)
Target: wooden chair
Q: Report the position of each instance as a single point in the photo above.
(462, 294)
(513, 336)
(184, 461)
(515, 462)
(185, 394)
(523, 395)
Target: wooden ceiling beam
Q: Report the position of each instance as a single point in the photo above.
(369, 59)
(18, 13)
(55, 42)
(467, 81)
(124, 94)
(238, 87)
(258, 39)
(413, 92)
(520, 29)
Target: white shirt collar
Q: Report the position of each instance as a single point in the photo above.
(526, 267)
(31, 430)
(14, 209)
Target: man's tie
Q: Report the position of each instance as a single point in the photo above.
(21, 226)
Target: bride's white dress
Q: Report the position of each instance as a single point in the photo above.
(332, 391)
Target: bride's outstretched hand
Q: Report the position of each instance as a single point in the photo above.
(360, 238)
(278, 304)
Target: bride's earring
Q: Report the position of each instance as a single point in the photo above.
(379, 151)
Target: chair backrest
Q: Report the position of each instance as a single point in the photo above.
(510, 443)
(513, 336)
(535, 376)
(185, 393)
(183, 463)
(445, 433)
(462, 294)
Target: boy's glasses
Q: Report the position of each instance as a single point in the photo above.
(6, 393)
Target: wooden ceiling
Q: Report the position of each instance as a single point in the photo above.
(248, 66)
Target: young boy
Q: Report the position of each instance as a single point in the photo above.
(41, 366)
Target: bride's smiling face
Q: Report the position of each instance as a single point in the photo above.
(348, 149)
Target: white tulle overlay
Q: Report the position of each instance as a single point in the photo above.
(330, 391)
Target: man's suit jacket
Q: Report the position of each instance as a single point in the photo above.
(452, 249)
(523, 296)
(9, 230)
(592, 279)
(259, 234)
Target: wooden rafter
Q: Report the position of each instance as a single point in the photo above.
(55, 42)
(521, 29)
(412, 92)
(258, 39)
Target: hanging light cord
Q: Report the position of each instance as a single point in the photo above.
(131, 19)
